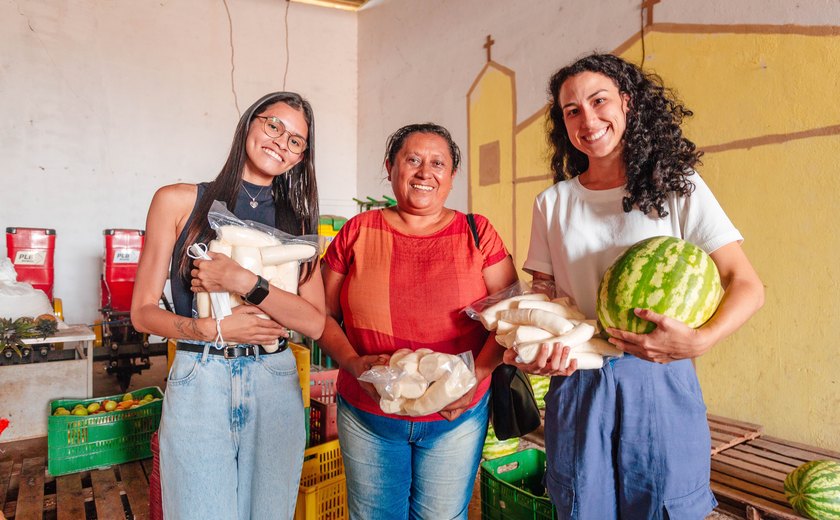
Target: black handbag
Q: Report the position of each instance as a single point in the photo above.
(513, 407)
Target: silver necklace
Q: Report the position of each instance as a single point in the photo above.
(253, 202)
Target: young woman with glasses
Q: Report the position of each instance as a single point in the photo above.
(232, 434)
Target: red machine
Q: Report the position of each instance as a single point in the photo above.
(118, 342)
(119, 267)
(31, 250)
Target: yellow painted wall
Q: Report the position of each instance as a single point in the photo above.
(757, 99)
(767, 112)
(490, 114)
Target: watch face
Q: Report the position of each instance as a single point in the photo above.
(258, 293)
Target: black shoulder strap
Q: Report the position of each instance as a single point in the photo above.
(471, 222)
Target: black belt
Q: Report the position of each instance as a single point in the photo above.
(233, 351)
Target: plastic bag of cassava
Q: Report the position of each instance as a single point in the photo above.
(263, 250)
(421, 382)
(525, 319)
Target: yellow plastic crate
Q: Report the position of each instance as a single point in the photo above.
(302, 359)
(322, 494)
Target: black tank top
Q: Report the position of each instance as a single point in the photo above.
(182, 297)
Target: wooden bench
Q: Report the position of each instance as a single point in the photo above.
(725, 433)
(748, 478)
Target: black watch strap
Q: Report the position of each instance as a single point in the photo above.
(258, 293)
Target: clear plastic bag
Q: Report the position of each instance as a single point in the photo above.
(524, 317)
(220, 218)
(421, 382)
(262, 249)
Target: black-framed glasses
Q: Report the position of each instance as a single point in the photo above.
(275, 128)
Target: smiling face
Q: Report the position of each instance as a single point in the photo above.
(421, 174)
(269, 157)
(594, 113)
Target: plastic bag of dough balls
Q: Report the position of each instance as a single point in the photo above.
(421, 382)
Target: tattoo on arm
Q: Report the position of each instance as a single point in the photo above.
(187, 328)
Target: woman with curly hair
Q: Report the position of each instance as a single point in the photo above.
(630, 440)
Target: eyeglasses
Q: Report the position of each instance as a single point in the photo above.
(275, 128)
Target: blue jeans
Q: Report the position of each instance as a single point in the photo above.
(630, 440)
(231, 438)
(399, 469)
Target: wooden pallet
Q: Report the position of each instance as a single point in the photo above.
(729, 432)
(28, 492)
(748, 479)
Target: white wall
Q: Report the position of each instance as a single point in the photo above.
(103, 102)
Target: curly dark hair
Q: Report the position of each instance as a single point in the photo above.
(658, 159)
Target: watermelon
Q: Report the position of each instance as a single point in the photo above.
(664, 274)
(813, 489)
(540, 386)
(494, 448)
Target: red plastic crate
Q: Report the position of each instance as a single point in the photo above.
(322, 382)
(119, 269)
(323, 410)
(155, 499)
(32, 250)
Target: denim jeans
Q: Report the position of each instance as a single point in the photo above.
(399, 469)
(232, 437)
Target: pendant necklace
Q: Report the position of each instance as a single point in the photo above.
(253, 202)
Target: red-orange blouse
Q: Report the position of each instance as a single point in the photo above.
(405, 291)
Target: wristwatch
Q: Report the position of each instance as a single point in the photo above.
(256, 295)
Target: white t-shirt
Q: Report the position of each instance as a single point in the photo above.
(577, 233)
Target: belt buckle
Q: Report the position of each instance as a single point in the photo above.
(226, 351)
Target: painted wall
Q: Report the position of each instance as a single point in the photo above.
(103, 102)
(762, 80)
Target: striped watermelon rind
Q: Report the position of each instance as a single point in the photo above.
(813, 489)
(494, 448)
(667, 275)
(540, 385)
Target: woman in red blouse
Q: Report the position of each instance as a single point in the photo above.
(398, 278)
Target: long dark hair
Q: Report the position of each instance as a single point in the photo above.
(658, 159)
(295, 192)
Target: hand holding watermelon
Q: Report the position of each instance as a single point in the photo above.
(671, 340)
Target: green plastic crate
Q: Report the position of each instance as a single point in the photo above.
(512, 489)
(78, 443)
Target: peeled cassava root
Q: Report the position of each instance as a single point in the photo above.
(525, 323)
(263, 255)
(421, 382)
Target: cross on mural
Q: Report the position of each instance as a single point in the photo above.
(647, 7)
(489, 43)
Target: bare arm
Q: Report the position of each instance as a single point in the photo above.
(672, 340)
(334, 342)
(170, 208)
